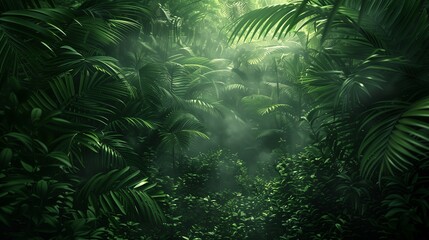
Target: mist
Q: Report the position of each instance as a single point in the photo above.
(214, 119)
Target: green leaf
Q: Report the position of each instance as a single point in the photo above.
(118, 203)
(60, 157)
(42, 188)
(5, 157)
(398, 140)
(27, 166)
(20, 137)
(36, 113)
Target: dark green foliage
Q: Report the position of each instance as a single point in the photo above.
(216, 185)
(368, 75)
(65, 172)
(314, 200)
(322, 132)
(346, 83)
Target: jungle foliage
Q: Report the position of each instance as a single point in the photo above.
(221, 119)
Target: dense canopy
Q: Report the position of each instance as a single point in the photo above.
(214, 119)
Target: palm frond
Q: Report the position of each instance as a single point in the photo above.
(8, 5)
(180, 129)
(329, 78)
(121, 9)
(20, 138)
(99, 94)
(120, 191)
(29, 34)
(235, 87)
(70, 60)
(178, 78)
(135, 205)
(115, 152)
(274, 108)
(75, 143)
(196, 63)
(398, 139)
(97, 34)
(203, 106)
(363, 34)
(280, 19)
(128, 123)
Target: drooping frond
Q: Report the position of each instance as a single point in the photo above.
(203, 106)
(114, 152)
(274, 108)
(120, 191)
(398, 138)
(8, 5)
(26, 35)
(277, 20)
(70, 60)
(179, 129)
(128, 123)
(178, 78)
(235, 87)
(99, 94)
(119, 9)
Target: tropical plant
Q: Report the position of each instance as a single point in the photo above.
(216, 184)
(370, 82)
(355, 85)
(329, 120)
(182, 90)
(68, 170)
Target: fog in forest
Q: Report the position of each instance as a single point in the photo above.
(214, 119)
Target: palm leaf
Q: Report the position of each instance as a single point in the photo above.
(135, 205)
(397, 140)
(70, 60)
(128, 123)
(97, 34)
(7, 5)
(178, 78)
(115, 152)
(274, 108)
(99, 94)
(179, 130)
(17, 137)
(117, 8)
(281, 19)
(203, 106)
(235, 87)
(119, 191)
(28, 35)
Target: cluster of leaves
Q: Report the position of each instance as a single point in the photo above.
(359, 67)
(367, 70)
(68, 171)
(89, 88)
(78, 113)
(309, 197)
(216, 185)
(314, 200)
